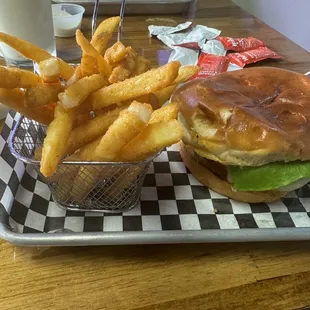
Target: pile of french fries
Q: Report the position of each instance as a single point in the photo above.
(109, 108)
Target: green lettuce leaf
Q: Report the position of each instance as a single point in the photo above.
(268, 177)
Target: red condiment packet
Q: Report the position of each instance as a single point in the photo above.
(211, 65)
(252, 56)
(241, 44)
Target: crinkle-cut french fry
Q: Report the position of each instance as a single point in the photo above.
(129, 124)
(115, 53)
(50, 70)
(142, 65)
(17, 78)
(151, 140)
(163, 95)
(15, 99)
(140, 85)
(104, 33)
(165, 113)
(54, 145)
(34, 53)
(91, 130)
(42, 94)
(88, 49)
(78, 92)
(185, 73)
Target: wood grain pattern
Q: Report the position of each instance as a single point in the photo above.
(202, 276)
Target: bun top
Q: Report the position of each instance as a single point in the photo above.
(248, 117)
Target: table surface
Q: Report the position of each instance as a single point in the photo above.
(202, 276)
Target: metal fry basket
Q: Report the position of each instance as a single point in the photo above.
(82, 186)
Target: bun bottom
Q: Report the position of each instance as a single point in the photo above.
(212, 181)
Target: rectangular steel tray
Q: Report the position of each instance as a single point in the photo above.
(135, 7)
(174, 208)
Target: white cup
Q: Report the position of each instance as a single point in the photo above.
(67, 19)
(30, 20)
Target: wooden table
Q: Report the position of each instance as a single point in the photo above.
(203, 276)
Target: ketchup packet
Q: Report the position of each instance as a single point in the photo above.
(241, 44)
(252, 56)
(211, 65)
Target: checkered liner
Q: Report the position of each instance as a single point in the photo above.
(171, 199)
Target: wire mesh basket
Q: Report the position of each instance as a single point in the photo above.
(82, 186)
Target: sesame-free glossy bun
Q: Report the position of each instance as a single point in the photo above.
(247, 118)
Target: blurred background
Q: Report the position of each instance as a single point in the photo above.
(289, 17)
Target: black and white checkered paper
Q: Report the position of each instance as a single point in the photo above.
(171, 199)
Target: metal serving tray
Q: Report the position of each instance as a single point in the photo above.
(134, 7)
(174, 208)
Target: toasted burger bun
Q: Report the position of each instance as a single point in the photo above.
(249, 117)
(206, 177)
